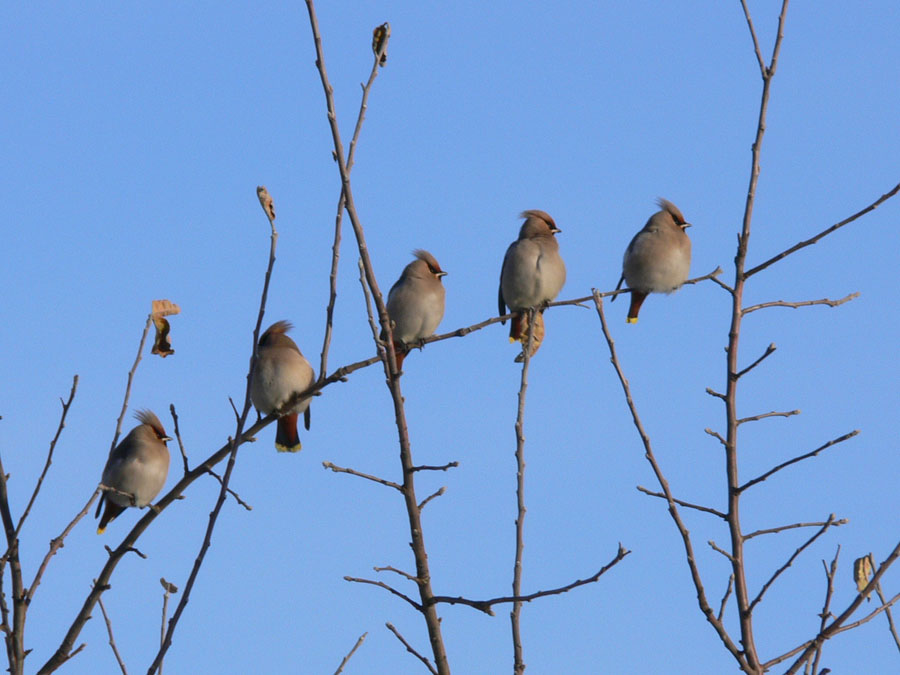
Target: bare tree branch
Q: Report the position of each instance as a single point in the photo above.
(112, 640)
(786, 464)
(353, 472)
(486, 605)
(680, 502)
(409, 648)
(790, 561)
(826, 612)
(824, 233)
(702, 601)
(432, 621)
(725, 597)
(519, 427)
(769, 351)
(763, 416)
(776, 530)
(386, 587)
(350, 654)
(232, 453)
(37, 488)
(804, 303)
(431, 496)
(443, 467)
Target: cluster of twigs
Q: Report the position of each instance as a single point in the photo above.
(741, 645)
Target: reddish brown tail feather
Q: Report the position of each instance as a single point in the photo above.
(637, 299)
(286, 437)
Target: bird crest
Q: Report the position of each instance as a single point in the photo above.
(673, 211)
(429, 260)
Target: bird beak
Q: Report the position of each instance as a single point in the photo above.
(685, 226)
(165, 439)
(556, 230)
(440, 274)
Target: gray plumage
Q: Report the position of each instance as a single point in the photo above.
(281, 372)
(658, 259)
(533, 271)
(138, 467)
(416, 302)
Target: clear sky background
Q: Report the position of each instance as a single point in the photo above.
(133, 139)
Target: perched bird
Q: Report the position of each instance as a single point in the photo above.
(281, 372)
(533, 272)
(658, 259)
(137, 468)
(415, 303)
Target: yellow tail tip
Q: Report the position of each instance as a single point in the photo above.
(101, 530)
(283, 448)
(512, 339)
(631, 320)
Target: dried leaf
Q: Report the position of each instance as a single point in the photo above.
(380, 37)
(159, 310)
(862, 570)
(265, 200)
(169, 587)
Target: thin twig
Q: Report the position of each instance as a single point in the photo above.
(716, 435)
(826, 611)
(168, 589)
(353, 472)
(803, 303)
(519, 428)
(433, 495)
(485, 605)
(716, 548)
(386, 587)
(809, 242)
(184, 457)
(137, 360)
(406, 575)
(725, 597)
(432, 620)
(409, 648)
(112, 640)
(776, 530)
(338, 220)
(756, 418)
(769, 351)
(40, 481)
(350, 654)
(232, 454)
(234, 494)
(443, 467)
(702, 601)
(786, 464)
(765, 587)
(680, 502)
(808, 648)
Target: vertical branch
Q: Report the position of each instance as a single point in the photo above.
(137, 360)
(417, 544)
(338, 220)
(518, 662)
(15, 634)
(235, 443)
(745, 615)
(112, 640)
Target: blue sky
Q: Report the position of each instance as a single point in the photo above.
(134, 137)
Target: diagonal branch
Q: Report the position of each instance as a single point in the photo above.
(828, 523)
(486, 605)
(793, 526)
(786, 464)
(702, 601)
(685, 504)
(409, 648)
(353, 472)
(804, 303)
(824, 233)
(769, 351)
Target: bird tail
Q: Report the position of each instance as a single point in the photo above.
(111, 513)
(637, 299)
(618, 286)
(286, 437)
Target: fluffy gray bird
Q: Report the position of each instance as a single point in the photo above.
(281, 372)
(658, 259)
(533, 272)
(415, 303)
(137, 467)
